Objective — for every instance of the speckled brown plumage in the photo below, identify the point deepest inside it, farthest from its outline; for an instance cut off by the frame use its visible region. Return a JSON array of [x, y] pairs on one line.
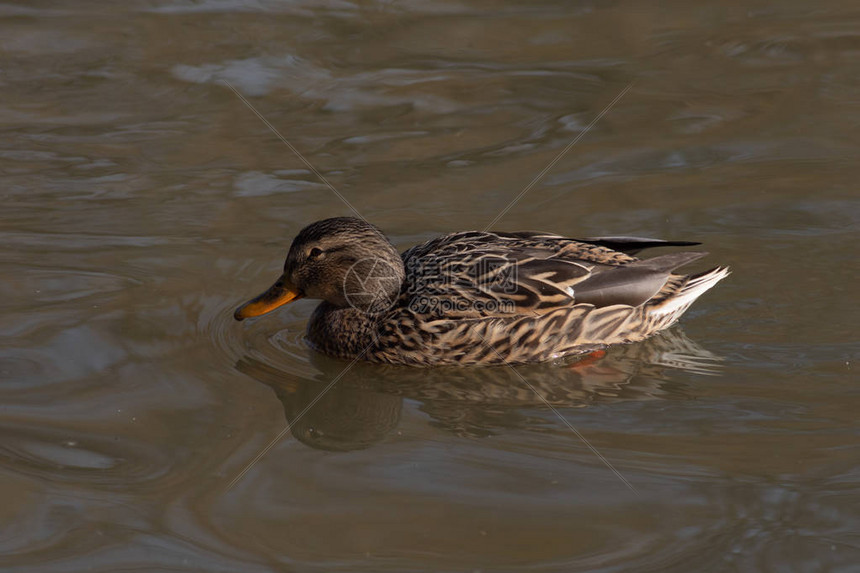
[[480, 297]]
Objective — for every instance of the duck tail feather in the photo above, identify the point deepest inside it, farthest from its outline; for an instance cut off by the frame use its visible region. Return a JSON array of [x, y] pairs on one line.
[[695, 286]]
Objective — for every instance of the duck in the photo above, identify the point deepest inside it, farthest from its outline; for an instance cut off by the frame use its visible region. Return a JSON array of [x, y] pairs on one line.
[[474, 298]]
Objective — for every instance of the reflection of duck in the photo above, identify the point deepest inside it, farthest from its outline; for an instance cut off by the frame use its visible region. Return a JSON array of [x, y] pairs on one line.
[[477, 297], [364, 405]]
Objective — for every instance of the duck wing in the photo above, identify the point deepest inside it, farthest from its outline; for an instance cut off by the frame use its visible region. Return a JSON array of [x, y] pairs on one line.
[[478, 274]]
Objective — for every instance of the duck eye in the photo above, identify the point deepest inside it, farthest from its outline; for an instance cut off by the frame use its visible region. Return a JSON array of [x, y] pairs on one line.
[[314, 253]]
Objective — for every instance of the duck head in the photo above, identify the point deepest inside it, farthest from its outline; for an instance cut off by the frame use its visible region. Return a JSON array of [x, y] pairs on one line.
[[344, 261]]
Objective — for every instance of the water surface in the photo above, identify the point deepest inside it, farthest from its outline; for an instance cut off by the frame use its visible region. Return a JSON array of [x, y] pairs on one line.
[[143, 200]]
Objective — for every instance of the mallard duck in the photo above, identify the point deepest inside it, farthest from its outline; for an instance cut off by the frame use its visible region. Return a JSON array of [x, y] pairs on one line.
[[477, 297]]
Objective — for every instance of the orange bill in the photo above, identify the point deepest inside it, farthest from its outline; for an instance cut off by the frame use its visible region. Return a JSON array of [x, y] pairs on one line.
[[278, 294]]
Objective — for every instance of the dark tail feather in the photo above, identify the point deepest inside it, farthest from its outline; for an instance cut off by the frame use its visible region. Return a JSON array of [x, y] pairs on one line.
[[632, 245]]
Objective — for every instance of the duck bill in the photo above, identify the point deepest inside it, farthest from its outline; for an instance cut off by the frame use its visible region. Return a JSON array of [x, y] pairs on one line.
[[279, 294]]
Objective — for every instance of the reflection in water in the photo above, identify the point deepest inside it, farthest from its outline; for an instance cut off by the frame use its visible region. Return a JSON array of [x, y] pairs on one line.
[[365, 404]]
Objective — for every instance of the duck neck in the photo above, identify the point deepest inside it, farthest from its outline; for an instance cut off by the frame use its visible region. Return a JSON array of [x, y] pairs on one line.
[[342, 332]]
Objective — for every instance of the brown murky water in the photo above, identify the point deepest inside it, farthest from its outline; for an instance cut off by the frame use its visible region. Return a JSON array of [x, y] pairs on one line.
[[142, 200]]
